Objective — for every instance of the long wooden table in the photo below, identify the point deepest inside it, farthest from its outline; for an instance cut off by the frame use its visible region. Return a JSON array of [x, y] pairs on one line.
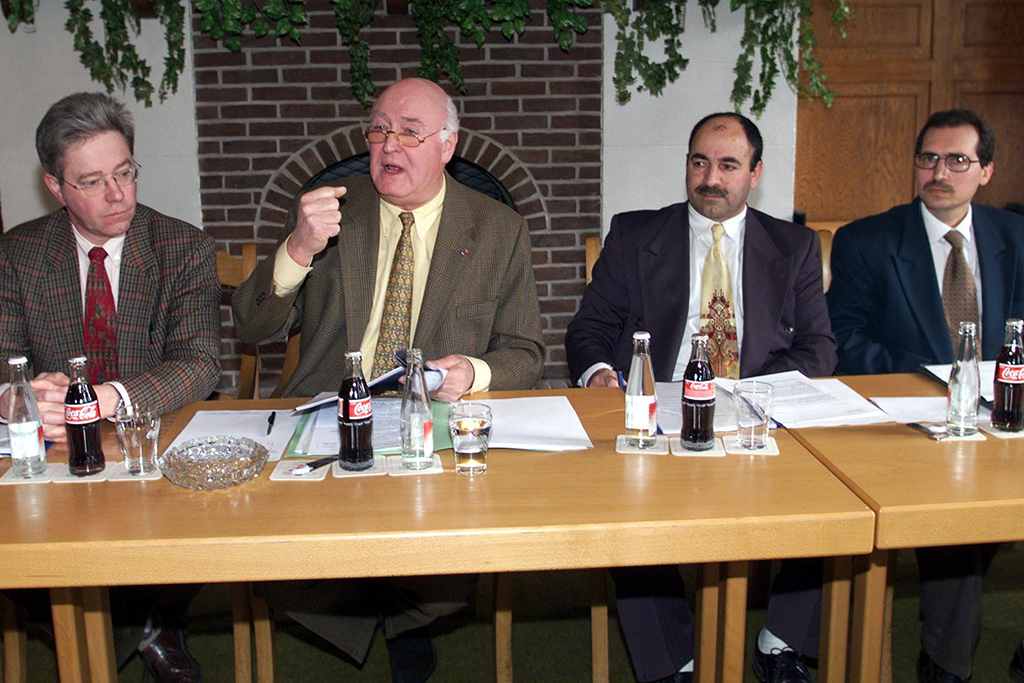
[[923, 492], [531, 511]]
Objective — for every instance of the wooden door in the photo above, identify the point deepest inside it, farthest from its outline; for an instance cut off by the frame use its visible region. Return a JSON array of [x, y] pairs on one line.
[[902, 60]]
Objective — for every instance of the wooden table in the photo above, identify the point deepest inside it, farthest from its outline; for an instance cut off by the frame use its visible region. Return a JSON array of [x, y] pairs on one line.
[[531, 511], [923, 492]]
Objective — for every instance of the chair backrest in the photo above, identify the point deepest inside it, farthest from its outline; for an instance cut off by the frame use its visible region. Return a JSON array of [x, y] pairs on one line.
[[593, 251], [825, 230], [232, 271]]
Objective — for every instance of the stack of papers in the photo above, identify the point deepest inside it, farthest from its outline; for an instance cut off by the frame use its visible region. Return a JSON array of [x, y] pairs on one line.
[[986, 371], [544, 423], [5, 441], [906, 409], [251, 424]]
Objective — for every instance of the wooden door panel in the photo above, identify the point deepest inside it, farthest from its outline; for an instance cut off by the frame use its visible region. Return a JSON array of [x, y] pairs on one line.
[[1001, 107], [879, 30], [993, 29]]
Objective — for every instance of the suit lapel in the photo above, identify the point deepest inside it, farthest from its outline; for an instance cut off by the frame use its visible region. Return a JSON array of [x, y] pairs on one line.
[[357, 253], [998, 270], [456, 239], [664, 277], [63, 288], [137, 290], [766, 274], [916, 272]]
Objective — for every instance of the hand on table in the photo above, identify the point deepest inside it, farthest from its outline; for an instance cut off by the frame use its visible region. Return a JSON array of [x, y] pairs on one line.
[[459, 379], [604, 378]]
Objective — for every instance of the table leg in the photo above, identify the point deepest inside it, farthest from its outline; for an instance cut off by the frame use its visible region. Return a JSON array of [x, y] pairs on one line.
[[599, 625], [15, 642], [706, 645], [868, 615], [99, 636], [241, 629], [503, 628], [69, 634], [890, 577], [732, 623], [835, 620]]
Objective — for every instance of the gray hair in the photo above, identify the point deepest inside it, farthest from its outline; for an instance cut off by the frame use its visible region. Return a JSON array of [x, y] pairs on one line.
[[451, 119], [79, 117]]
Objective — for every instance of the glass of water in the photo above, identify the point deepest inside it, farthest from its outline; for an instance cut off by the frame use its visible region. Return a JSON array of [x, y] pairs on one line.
[[754, 402], [138, 434], [470, 427]]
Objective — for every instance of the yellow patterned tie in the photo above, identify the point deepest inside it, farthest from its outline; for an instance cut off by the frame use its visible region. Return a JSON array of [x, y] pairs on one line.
[[396, 319], [959, 295], [717, 313]]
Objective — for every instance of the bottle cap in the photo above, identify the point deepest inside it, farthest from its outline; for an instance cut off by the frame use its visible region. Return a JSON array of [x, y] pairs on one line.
[[701, 337], [354, 354], [17, 360], [1015, 323], [641, 335], [77, 360], [967, 327]]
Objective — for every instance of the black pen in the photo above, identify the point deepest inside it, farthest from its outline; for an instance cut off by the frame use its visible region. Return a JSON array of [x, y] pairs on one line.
[[270, 421], [307, 467]]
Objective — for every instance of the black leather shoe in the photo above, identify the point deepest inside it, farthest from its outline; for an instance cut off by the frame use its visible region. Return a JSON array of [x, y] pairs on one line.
[[412, 656], [781, 666], [167, 659], [1017, 664], [930, 672], [678, 677]]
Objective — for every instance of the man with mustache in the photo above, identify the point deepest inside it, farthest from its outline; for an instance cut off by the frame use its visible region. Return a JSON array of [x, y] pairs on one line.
[[713, 265], [901, 283]]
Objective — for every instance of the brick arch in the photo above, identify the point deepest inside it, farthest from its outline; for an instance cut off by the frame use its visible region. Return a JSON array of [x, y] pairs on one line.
[[347, 141]]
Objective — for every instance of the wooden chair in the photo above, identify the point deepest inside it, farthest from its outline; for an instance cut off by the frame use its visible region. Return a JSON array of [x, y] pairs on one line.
[[232, 272], [825, 230]]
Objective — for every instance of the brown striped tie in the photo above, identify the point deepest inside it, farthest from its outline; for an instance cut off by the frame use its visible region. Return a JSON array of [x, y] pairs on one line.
[[959, 295], [396, 319]]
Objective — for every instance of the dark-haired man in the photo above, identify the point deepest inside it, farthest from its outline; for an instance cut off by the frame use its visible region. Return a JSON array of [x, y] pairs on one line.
[[714, 265], [901, 283]]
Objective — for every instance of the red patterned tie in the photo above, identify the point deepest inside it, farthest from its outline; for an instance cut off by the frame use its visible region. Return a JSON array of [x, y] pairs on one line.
[[100, 331]]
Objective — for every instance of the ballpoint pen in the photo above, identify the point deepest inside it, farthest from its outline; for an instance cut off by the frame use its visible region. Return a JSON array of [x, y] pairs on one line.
[[270, 421], [307, 467]]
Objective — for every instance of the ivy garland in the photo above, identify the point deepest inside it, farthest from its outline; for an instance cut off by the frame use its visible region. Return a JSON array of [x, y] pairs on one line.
[[768, 38]]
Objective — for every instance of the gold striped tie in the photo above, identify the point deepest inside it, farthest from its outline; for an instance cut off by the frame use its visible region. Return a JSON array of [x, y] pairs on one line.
[[959, 295], [717, 313], [396, 318]]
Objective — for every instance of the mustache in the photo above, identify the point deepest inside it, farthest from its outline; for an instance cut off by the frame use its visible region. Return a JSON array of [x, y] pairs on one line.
[[939, 185], [712, 190]]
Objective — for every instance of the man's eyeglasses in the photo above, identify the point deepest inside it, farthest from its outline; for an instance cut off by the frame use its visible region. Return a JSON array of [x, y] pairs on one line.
[[97, 186], [958, 163], [376, 136]]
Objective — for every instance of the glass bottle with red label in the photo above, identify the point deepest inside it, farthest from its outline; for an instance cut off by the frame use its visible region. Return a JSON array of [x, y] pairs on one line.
[[641, 399], [355, 416], [1008, 407], [82, 421], [698, 398]]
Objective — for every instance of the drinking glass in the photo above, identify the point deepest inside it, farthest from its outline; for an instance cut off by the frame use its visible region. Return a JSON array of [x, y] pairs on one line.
[[754, 402], [138, 434], [470, 427]]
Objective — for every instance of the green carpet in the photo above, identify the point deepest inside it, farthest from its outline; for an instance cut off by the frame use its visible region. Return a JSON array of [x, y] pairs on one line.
[[551, 635]]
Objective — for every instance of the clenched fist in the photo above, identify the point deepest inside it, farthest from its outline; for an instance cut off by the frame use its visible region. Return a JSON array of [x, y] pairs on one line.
[[319, 219]]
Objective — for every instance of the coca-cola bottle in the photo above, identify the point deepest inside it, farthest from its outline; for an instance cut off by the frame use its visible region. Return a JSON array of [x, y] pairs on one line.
[[698, 398], [82, 421], [28, 454], [417, 420], [355, 416], [1008, 409], [641, 401]]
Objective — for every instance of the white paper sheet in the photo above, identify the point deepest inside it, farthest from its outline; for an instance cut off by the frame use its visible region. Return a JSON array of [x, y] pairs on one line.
[[242, 423], [670, 408], [5, 441], [986, 371], [904, 409], [321, 436], [544, 423]]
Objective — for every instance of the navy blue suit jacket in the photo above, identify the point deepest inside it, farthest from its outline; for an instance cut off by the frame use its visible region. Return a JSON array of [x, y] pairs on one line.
[[884, 299], [641, 282]]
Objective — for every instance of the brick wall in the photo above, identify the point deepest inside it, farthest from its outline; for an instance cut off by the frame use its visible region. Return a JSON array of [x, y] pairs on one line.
[[271, 116]]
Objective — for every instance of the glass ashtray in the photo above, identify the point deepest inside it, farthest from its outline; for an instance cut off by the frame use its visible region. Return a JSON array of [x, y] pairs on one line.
[[213, 462]]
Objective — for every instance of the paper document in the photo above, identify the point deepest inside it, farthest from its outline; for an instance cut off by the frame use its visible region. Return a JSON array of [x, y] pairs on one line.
[[986, 371], [544, 423], [242, 423], [321, 437], [5, 441], [904, 409], [670, 408]]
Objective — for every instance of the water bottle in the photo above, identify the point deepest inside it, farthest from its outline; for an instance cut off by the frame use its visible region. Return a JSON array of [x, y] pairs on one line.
[[641, 401], [417, 422], [964, 385], [28, 454]]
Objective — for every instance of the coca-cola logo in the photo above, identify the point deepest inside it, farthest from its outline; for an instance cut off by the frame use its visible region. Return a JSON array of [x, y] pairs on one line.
[[1011, 374], [82, 414], [699, 391], [358, 408]]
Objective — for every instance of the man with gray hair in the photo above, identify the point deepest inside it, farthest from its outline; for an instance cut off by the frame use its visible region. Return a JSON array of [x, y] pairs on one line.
[[133, 290], [405, 258]]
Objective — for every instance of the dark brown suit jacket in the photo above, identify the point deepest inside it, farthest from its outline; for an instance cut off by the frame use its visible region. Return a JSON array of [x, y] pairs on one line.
[[168, 318], [480, 299]]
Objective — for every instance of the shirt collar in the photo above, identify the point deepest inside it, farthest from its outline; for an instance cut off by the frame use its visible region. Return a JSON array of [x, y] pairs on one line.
[[700, 225], [114, 246], [937, 229], [425, 216]]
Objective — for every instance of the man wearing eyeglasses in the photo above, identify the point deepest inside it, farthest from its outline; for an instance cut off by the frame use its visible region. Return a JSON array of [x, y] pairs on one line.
[[406, 257], [901, 283], [133, 290]]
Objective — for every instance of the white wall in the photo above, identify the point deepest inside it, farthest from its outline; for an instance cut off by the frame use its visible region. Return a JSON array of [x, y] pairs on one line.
[[645, 140], [37, 69]]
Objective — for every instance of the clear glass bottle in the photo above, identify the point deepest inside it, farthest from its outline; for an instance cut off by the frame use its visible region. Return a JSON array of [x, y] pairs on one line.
[[641, 400], [417, 422], [28, 453], [964, 385]]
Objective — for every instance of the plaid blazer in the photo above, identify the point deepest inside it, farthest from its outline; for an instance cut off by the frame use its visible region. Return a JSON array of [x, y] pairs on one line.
[[480, 299], [168, 318]]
